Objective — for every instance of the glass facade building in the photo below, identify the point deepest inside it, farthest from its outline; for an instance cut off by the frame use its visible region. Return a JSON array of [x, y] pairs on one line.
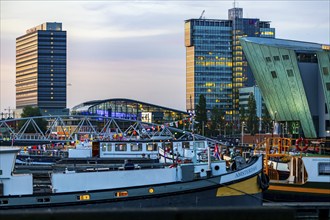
[[244, 94], [215, 63], [129, 109], [41, 69], [294, 79]]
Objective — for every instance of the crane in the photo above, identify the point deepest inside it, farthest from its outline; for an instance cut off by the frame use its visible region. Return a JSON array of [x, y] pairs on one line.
[[201, 17]]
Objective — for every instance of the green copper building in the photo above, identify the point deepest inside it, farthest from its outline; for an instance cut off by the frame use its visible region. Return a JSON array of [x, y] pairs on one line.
[[294, 79]]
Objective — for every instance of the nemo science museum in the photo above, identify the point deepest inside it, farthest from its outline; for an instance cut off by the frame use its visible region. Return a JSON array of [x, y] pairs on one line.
[[294, 79]]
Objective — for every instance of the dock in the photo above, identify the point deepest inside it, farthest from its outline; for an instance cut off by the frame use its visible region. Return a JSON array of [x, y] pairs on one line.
[[270, 211]]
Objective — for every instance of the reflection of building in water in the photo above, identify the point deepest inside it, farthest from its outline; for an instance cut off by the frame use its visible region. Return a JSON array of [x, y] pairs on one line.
[[129, 109]]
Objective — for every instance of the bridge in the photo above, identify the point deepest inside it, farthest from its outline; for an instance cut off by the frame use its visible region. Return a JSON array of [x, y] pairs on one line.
[[64, 129]]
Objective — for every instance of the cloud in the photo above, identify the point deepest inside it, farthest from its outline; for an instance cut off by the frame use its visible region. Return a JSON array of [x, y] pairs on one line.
[[135, 49]]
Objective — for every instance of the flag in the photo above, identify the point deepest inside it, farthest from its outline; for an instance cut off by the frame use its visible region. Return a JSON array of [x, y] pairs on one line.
[[216, 153]]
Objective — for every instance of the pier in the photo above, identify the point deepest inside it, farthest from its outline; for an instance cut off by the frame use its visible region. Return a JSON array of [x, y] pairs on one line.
[[268, 211]]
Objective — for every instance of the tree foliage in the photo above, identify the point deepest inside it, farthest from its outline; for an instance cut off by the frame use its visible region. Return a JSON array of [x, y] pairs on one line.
[[201, 114], [252, 119], [217, 120], [267, 121], [29, 111], [242, 114]]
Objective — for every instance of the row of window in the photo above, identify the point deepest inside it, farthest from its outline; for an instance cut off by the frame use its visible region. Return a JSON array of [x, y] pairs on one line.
[[277, 58], [204, 23], [290, 72], [133, 147]]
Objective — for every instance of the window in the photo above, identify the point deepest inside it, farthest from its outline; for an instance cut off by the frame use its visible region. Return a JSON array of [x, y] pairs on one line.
[[268, 59], [120, 147], [136, 147], [325, 70], [274, 75], [328, 86], [285, 57], [324, 169], [152, 147], [290, 72], [276, 58], [185, 145]]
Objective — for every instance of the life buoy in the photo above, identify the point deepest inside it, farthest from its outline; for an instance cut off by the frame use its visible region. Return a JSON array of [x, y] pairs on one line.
[[298, 141], [263, 181]]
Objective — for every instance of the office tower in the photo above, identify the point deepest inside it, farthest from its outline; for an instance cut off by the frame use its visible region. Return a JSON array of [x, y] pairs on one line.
[[294, 79], [215, 63], [41, 69]]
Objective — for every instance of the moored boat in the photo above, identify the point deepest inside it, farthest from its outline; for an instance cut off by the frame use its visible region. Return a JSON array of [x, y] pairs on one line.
[[183, 185], [297, 173]]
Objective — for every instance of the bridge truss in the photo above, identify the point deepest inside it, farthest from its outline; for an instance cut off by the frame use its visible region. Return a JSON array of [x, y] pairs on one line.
[[77, 127]]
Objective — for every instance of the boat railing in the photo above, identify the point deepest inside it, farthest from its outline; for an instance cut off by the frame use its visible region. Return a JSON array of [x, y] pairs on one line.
[[283, 149]]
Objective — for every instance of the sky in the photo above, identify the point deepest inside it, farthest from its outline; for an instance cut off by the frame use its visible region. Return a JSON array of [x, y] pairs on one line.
[[135, 49]]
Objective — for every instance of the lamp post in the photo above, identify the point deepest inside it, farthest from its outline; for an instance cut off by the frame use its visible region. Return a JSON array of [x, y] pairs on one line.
[[260, 128], [243, 125]]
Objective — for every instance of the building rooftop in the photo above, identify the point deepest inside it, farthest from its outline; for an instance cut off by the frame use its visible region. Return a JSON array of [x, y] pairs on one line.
[[288, 44]]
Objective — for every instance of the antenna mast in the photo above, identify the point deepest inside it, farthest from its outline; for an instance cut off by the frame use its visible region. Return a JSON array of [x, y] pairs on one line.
[[201, 17]]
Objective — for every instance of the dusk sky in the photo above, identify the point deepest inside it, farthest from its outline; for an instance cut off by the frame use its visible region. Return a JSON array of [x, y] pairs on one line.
[[135, 49]]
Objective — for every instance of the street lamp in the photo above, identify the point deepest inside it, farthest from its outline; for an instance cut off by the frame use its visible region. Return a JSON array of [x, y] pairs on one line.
[[260, 128], [243, 125]]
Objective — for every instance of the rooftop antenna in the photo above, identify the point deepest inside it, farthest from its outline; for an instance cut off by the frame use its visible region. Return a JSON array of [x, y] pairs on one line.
[[201, 17]]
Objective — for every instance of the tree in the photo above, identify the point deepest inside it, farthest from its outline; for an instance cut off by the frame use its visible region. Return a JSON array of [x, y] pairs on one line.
[[242, 114], [29, 111], [252, 119], [201, 115], [217, 120], [267, 121]]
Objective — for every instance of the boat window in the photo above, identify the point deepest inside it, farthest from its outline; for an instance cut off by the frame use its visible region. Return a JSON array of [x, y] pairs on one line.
[[169, 145], [103, 147], [84, 197], [152, 147], [120, 147], [200, 144], [185, 145], [121, 194], [106, 146], [324, 169], [109, 147], [136, 147]]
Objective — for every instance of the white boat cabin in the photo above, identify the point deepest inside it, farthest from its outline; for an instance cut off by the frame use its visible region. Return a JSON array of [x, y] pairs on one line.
[[149, 149]]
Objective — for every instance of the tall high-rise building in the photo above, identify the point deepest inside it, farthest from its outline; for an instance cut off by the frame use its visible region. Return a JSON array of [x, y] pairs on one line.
[[215, 63], [41, 69]]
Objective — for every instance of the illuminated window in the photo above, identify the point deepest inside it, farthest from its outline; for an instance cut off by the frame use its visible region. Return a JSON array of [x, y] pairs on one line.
[[120, 147], [136, 147], [152, 147], [121, 194]]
